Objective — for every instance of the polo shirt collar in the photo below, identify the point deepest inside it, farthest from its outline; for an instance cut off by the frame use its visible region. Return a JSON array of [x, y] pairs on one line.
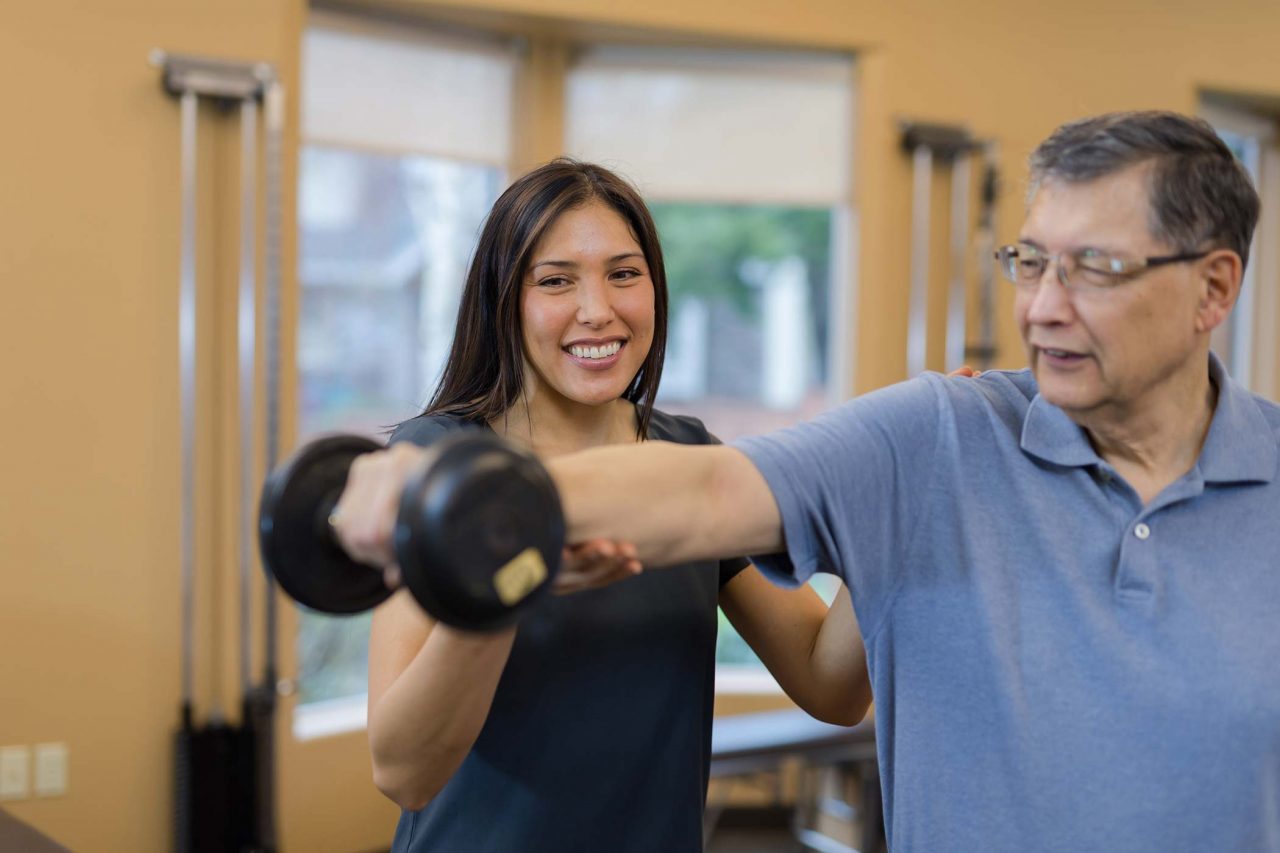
[[1240, 446], [1048, 434]]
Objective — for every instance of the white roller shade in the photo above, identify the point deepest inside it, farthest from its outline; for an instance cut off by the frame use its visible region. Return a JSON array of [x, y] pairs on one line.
[[381, 87], [717, 126]]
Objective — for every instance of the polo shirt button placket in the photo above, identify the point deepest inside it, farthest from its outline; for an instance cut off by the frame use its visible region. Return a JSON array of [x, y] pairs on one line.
[[1137, 569]]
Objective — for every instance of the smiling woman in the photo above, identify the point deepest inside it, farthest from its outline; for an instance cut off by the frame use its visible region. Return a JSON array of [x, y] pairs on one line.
[[588, 726], [568, 257]]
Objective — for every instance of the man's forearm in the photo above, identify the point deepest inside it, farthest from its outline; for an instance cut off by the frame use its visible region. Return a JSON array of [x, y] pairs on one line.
[[674, 502]]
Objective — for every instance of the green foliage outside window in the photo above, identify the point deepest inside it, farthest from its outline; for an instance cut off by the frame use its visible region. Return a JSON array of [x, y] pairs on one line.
[[706, 245]]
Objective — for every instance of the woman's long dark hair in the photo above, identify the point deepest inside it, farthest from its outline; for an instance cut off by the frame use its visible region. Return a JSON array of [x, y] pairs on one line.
[[484, 376]]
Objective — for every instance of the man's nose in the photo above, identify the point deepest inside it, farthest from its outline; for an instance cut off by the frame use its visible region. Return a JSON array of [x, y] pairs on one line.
[[1050, 299]]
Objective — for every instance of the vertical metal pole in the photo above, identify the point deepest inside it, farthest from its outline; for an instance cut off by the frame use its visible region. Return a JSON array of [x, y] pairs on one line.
[[247, 340], [273, 101], [273, 105], [183, 759], [187, 380], [228, 83], [986, 241], [918, 316], [957, 295]]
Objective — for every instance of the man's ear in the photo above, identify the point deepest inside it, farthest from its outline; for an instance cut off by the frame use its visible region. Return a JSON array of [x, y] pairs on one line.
[[1220, 275]]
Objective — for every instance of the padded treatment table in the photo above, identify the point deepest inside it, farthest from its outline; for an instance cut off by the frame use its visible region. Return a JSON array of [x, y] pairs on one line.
[[765, 743]]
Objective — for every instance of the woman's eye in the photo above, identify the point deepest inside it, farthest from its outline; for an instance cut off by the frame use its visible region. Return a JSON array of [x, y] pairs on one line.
[[625, 275], [555, 281]]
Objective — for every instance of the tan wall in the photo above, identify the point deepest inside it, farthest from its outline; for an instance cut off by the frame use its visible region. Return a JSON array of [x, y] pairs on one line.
[[89, 487], [89, 494]]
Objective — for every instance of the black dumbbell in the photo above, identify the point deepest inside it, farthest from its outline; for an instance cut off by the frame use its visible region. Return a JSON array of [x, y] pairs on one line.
[[478, 534]]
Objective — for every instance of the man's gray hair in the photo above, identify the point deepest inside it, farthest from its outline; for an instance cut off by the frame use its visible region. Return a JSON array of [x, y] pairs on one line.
[[1199, 192]]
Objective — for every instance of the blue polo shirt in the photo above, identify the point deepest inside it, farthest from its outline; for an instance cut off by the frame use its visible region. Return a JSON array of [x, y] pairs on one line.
[[1056, 667]]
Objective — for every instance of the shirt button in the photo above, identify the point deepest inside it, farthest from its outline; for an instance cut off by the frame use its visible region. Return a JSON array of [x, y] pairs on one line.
[[1142, 531]]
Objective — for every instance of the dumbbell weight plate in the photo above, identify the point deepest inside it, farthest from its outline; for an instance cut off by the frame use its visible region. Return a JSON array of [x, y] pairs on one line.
[[479, 532], [293, 529]]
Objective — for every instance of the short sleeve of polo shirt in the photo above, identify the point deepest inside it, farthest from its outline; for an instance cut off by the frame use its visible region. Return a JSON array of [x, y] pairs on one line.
[[851, 486]]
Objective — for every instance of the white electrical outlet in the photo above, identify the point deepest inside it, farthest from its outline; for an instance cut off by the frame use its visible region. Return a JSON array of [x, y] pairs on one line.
[[51, 769], [15, 772]]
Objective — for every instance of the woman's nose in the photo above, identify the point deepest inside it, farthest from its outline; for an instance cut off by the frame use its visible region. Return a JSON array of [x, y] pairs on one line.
[[595, 303]]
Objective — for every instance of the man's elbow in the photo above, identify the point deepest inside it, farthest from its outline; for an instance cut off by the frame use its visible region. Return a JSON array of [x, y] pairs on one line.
[[845, 709], [846, 715], [838, 715]]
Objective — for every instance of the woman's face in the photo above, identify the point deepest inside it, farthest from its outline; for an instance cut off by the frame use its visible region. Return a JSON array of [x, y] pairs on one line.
[[587, 306]]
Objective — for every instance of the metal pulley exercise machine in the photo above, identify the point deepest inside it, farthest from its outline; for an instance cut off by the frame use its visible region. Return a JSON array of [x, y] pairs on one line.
[[953, 147], [224, 774]]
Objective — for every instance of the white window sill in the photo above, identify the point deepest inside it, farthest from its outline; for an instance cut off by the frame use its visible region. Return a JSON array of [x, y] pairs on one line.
[[330, 717], [745, 680]]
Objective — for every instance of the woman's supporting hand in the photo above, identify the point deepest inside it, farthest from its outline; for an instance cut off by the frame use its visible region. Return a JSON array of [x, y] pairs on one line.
[[595, 563]]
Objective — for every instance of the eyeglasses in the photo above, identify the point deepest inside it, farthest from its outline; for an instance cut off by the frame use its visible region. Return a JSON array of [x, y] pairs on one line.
[[1089, 269]]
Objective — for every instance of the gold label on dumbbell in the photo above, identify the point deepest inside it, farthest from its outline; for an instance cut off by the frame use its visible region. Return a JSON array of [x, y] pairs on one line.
[[520, 576]]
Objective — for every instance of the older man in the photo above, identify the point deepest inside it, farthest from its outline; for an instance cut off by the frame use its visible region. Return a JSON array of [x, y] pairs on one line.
[[1067, 577]]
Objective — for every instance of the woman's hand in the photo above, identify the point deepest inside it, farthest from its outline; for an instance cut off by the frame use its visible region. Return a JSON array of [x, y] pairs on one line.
[[364, 518], [595, 563]]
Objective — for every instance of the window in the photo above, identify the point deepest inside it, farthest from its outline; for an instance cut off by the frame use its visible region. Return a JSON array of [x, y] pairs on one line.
[[745, 158], [408, 135], [1245, 343], [391, 199], [748, 337], [384, 247]]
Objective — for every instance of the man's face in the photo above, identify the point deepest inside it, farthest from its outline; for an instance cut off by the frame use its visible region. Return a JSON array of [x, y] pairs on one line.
[[1108, 353]]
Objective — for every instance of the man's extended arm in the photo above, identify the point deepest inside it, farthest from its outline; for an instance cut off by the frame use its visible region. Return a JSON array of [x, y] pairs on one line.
[[675, 502]]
